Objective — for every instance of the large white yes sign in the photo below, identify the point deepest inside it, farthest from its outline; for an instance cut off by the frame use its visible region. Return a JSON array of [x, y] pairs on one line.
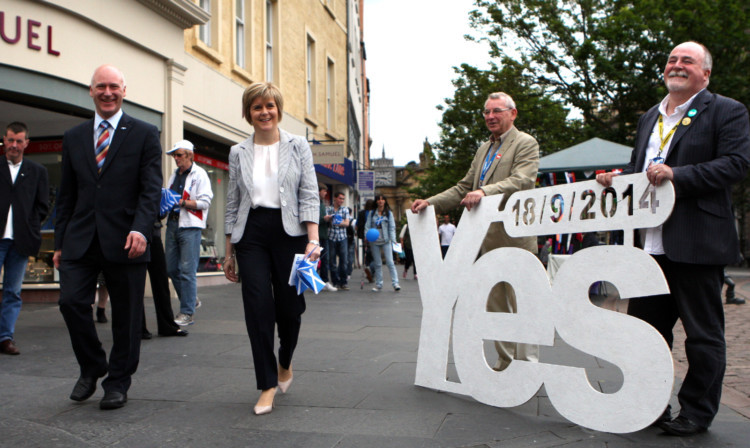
[[461, 283]]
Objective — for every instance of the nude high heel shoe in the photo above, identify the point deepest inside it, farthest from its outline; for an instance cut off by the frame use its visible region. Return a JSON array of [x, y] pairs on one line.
[[284, 385], [261, 410]]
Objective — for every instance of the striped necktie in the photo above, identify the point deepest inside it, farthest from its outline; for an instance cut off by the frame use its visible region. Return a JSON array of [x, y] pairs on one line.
[[102, 144]]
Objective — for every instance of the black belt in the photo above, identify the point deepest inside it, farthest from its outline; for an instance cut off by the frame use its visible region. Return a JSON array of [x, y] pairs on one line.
[[174, 217]]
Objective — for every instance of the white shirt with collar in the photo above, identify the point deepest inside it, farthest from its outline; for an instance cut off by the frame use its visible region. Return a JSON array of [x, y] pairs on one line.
[[652, 238], [113, 121], [14, 169]]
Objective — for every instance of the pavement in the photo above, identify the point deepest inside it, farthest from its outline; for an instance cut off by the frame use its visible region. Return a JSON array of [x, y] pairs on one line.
[[353, 386]]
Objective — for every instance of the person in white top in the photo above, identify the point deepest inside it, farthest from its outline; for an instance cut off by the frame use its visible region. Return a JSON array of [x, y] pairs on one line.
[[446, 231], [184, 226], [272, 214]]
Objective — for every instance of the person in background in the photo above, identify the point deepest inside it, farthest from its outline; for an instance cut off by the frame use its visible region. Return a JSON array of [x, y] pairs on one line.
[[382, 219], [406, 245], [337, 217], [184, 226], [360, 226], [271, 215], [323, 231], [24, 203], [446, 230]]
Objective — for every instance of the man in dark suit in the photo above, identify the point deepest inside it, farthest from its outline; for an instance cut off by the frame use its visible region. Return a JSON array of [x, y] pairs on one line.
[[24, 193], [701, 142], [108, 201]]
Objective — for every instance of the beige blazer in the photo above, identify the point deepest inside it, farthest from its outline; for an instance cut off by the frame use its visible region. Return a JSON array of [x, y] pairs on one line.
[[298, 187], [516, 170]]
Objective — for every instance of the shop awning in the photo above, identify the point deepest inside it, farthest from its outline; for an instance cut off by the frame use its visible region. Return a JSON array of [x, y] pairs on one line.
[[591, 155]]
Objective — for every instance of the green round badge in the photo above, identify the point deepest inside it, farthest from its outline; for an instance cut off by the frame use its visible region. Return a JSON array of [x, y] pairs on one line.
[[692, 112]]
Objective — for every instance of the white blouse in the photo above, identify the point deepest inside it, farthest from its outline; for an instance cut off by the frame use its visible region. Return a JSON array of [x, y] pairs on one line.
[[265, 176]]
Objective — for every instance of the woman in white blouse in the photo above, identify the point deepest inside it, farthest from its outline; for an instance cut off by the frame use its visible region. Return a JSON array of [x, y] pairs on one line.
[[272, 214]]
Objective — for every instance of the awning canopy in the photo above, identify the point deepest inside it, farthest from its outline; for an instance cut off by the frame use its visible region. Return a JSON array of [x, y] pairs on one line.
[[591, 155]]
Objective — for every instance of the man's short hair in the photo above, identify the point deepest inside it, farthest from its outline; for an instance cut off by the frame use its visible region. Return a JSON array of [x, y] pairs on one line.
[[339, 193], [501, 96], [708, 60], [17, 127]]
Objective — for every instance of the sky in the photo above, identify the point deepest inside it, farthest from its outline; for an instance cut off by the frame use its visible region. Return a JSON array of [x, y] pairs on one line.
[[412, 47]]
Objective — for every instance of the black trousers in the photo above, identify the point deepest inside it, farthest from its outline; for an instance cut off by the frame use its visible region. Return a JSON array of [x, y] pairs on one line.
[[157, 274], [695, 298], [126, 283], [264, 259]]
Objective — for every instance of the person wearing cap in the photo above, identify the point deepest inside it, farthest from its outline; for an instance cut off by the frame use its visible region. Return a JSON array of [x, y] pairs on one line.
[[184, 226]]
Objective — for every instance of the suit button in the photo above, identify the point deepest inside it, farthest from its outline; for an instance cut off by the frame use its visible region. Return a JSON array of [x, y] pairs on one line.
[[99, 187], [283, 203], [281, 189]]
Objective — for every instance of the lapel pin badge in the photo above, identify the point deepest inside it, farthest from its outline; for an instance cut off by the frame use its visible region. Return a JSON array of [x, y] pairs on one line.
[[692, 112], [685, 121]]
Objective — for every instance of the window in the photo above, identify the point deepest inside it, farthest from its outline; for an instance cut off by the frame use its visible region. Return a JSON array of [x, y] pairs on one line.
[[204, 31], [330, 93], [239, 31], [310, 75], [270, 30]]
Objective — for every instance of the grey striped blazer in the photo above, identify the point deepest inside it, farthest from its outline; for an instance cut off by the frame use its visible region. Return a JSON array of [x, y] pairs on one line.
[[298, 188]]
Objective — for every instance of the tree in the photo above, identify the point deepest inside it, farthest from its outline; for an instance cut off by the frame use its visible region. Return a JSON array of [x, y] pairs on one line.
[[463, 129], [605, 58]]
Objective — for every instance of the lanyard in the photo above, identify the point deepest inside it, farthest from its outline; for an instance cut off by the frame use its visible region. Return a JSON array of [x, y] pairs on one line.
[[488, 162], [664, 139]]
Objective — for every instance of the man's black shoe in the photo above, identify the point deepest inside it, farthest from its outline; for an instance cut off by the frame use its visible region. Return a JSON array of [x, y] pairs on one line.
[[146, 335], [681, 427], [84, 388], [735, 301], [113, 400], [665, 417]]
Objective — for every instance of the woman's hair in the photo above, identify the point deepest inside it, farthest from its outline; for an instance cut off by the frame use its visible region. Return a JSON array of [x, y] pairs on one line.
[[264, 90], [386, 208]]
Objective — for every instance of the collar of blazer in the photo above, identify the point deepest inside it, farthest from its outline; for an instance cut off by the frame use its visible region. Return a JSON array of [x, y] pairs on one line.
[[5, 171], [247, 158], [485, 148], [699, 104], [123, 128]]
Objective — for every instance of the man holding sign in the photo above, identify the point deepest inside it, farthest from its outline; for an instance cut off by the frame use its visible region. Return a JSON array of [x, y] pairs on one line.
[[507, 163], [701, 142]]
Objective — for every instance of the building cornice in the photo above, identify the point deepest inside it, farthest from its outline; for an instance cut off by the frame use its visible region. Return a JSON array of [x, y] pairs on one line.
[[182, 13]]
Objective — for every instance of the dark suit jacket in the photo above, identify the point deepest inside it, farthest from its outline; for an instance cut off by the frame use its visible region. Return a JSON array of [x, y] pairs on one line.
[[707, 155], [124, 197], [29, 197]]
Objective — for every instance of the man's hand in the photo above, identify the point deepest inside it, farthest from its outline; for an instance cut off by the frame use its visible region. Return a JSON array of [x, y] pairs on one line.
[[56, 258], [418, 205], [135, 245], [658, 172], [606, 178], [472, 198]]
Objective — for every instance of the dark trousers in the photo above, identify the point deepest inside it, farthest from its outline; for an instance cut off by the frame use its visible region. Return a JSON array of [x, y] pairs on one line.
[[324, 260], [409, 260], [264, 259], [157, 274], [695, 298], [125, 283]]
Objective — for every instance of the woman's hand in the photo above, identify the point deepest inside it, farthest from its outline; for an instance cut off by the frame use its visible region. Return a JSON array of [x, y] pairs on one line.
[[314, 250], [229, 271]]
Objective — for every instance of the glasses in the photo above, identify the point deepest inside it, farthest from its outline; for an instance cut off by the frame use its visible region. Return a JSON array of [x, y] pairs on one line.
[[496, 111], [179, 154]]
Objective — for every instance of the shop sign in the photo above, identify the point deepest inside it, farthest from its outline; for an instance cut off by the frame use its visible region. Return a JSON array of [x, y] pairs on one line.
[[211, 162], [327, 154], [12, 30], [44, 146]]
